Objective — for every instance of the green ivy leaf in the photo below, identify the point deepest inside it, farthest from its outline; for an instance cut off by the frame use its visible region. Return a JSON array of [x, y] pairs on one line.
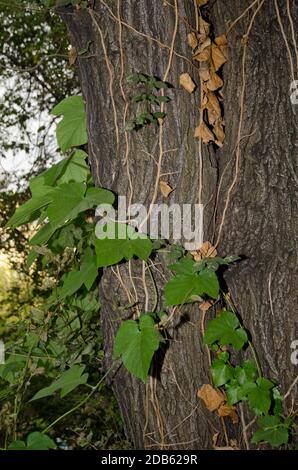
[[136, 341], [185, 288], [111, 251], [246, 373], [39, 441], [67, 382], [214, 263], [234, 392], [221, 372], [271, 430], [259, 395], [184, 266], [226, 329], [35, 441], [17, 445], [71, 130]]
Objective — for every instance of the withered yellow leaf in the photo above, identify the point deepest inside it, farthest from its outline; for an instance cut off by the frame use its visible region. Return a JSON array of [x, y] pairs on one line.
[[204, 71], [187, 82], [204, 133], [214, 82], [192, 40], [226, 410], [212, 397], [204, 306], [165, 188], [204, 27], [219, 133], [207, 250], [213, 107], [72, 56], [218, 58], [204, 55], [221, 40], [201, 3]]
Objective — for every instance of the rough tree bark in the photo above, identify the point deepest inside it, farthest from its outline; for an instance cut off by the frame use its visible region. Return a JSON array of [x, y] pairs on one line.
[[259, 200]]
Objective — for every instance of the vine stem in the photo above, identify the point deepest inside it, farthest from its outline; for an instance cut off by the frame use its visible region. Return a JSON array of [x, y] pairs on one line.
[[81, 403]]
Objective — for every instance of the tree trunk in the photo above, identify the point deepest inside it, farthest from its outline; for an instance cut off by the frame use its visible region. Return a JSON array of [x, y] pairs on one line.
[[249, 191]]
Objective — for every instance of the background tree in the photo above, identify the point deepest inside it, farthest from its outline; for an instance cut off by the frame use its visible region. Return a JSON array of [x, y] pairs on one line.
[[248, 188]]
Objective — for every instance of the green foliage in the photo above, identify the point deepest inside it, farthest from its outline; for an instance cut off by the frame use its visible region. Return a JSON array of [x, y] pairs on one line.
[[272, 430], [35, 441], [226, 329], [148, 99], [111, 251], [136, 343], [194, 280], [71, 130], [68, 381]]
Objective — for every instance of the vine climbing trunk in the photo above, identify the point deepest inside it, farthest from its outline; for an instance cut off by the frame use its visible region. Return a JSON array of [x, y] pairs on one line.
[[248, 188]]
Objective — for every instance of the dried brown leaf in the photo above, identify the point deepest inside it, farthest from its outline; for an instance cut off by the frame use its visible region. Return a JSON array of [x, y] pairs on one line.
[[214, 82], [204, 71], [201, 3], [192, 40], [204, 27], [165, 188], [207, 250], [221, 40], [230, 411], [203, 56], [213, 108], [72, 56], [204, 133], [212, 397], [218, 57], [219, 133], [187, 82], [204, 306]]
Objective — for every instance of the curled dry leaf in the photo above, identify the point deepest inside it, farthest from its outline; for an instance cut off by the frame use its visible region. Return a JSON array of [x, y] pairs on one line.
[[221, 40], [201, 3], [207, 250], [72, 56], [204, 306], [204, 55], [165, 188], [226, 410], [204, 27], [204, 71], [222, 43], [204, 133], [214, 82], [212, 397], [192, 40], [187, 82], [213, 107], [218, 57], [219, 132]]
